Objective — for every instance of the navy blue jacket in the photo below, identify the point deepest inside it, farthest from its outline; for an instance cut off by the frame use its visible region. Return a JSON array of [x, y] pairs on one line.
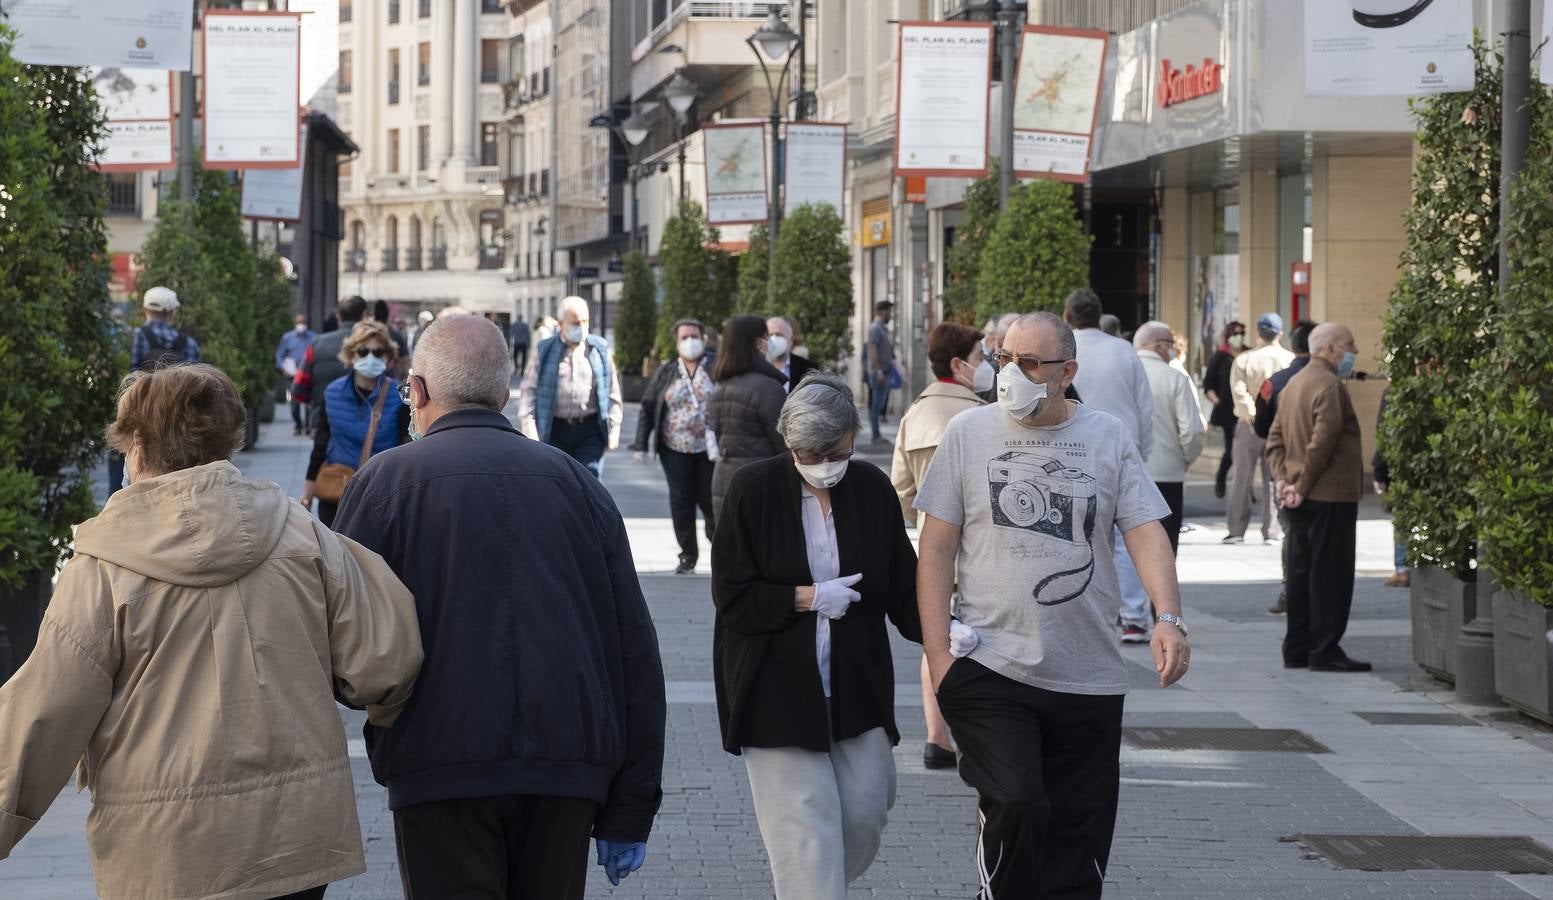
[[542, 673], [1267, 398]]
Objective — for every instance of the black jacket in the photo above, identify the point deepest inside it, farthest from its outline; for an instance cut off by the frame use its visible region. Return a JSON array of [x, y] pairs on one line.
[[769, 692], [653, 406], [798, 367], [542, 673], [1267, 398], [1216, 379]]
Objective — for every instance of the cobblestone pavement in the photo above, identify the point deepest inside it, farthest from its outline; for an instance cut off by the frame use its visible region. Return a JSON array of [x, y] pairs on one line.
[[1192, 824]]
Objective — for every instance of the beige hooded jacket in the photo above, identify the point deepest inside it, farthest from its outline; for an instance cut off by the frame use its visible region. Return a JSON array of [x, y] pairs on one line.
[[189, 661]]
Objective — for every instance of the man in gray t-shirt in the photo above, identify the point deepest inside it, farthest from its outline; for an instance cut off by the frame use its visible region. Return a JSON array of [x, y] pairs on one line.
[[1021, 499], [878, 359]]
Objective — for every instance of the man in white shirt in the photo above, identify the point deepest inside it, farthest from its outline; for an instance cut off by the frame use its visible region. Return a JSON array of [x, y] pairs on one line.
[[571, 394], [1176, 432], [1245, 380]]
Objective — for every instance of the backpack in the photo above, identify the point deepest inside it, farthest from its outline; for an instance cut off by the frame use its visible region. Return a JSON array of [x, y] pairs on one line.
[[162, 355]]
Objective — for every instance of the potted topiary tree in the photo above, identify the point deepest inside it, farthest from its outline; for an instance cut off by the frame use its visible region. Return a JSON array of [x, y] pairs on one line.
[[964, 257], [696, 278], [636, 326], [812, 281], [754, 273], [1036, 254]]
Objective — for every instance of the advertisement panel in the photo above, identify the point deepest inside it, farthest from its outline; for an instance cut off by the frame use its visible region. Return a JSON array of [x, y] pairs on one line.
[[138, 104], [943, 98], [1057, 98], [276, 194], [735, 173], [1218, 296], [815, 164], [252, 68], [153, 34], [1377, 48]]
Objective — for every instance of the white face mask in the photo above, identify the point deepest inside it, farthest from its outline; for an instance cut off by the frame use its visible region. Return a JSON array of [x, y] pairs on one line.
[[822, 476], [984, 377], [776, 347], [301, 328], [575, 333], [370, 366], [1017, 394], [691, 349]]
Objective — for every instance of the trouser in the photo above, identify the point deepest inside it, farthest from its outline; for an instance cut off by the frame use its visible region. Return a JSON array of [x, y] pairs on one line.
[[316, 893], [301, 415], [690, 485], [326, 511], [525, 847], [520, 358], [115, 471], [1174, 493], [582, 440], [1135, 600], [1398, 547], [1047, 771], [1249, 460], [1229, 450], [1320, 579], [878, 396], [821, 814]]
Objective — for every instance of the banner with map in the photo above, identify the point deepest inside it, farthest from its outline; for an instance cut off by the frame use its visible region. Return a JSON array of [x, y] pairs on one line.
[[735, 173], [1057, 100]]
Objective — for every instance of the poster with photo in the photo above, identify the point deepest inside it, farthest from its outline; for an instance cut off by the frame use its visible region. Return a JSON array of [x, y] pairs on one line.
[[252, 68], [138, 104], [815, 165], [1056, 101], [1382, 48], [943, 99], [735, 173], [154, 34]]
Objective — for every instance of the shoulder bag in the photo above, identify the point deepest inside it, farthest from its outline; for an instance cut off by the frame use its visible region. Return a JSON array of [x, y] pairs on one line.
[[332, 478]]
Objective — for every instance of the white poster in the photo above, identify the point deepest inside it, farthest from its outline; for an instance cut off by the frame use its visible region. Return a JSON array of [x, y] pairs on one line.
[[146, 33], [735, 173], [1381, 48], [276, 193], [815, 167], [137, 146], [138, 104], [1218, 295], [252, 60], [943, 98], [1057, 97]]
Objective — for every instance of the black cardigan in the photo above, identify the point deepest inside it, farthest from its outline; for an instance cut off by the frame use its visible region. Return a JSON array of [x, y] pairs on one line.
[[769, 692]]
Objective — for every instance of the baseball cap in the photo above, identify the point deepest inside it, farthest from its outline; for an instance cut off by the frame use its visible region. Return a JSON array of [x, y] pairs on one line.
[[160, 299], [1270, 324]]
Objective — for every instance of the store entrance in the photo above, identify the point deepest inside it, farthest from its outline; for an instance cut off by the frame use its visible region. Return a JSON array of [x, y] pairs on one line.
[[1119, 256]]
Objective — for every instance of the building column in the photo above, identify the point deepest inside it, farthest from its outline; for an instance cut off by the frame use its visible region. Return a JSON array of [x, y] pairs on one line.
[[465, 50], [1258, 244], [1173, 275], [442, 81], [1357, 210]]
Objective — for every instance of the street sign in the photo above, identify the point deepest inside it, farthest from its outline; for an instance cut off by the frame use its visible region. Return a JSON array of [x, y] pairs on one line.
[[617, 266], [586, 271]]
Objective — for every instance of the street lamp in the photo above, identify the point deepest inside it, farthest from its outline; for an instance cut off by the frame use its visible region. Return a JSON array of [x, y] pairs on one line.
[[771, 41], [681, 94], [632, 131]]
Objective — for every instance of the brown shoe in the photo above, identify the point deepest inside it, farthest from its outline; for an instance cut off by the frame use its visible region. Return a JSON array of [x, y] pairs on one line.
[[1398, 580]]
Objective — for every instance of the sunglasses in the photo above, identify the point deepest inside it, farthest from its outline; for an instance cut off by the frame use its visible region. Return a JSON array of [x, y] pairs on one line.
[[363, 352], [1027, 364]]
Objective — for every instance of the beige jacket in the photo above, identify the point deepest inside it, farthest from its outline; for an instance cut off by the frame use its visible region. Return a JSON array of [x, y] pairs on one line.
[[922, 427], [1248, 372], [189, 661]]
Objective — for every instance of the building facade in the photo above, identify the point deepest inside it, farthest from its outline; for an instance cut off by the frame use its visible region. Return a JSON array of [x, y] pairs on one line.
[[538, 281]]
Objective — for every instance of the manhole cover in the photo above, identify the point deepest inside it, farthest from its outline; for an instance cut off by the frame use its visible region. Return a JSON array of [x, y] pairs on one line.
[[1399, 853], [1241, 740], [1410, 718]]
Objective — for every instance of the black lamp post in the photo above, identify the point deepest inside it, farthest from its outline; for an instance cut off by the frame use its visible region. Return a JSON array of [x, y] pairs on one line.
[[772, 41], [632, 131], [681, 93]]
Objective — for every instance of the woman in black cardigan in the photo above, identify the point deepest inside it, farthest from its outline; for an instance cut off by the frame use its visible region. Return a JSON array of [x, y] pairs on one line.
[[809, 558]]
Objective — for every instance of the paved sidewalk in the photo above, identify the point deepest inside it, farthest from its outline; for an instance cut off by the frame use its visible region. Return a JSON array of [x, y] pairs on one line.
[[1193, 824]]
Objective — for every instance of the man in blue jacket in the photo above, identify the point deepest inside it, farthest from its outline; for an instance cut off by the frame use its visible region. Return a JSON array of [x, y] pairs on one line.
[[538, 717], [571, 395]]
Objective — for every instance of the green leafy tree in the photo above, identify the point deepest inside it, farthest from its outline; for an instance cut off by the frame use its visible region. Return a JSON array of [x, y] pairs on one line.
[[1036, 255], [65, 359], [754, 270], [811, 281], [970, 238], [636, 327], [697, 277], [1439, 320]]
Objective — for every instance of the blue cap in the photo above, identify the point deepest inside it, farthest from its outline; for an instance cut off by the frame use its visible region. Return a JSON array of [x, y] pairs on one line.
[[1270, 324]]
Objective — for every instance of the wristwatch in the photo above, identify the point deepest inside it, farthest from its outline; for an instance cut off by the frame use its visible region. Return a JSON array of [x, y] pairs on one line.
[[1172, 620]]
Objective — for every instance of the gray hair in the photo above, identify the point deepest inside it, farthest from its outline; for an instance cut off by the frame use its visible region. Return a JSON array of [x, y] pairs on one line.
[[818, 414], [1155, 332], [465, 362], [1066, 342], [1110, 325]]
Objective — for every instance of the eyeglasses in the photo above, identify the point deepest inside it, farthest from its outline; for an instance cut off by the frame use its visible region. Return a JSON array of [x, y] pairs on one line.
[[1027, 363], [808, 460], [363, 352], [404, 389]]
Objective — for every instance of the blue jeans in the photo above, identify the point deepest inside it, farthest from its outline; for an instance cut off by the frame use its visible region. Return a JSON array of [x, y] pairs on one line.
[[1399, 549], [1135, 600], [878, 396], [582, 441]]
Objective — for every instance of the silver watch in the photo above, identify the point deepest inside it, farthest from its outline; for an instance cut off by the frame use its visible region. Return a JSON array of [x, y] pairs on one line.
[[1173, 620]]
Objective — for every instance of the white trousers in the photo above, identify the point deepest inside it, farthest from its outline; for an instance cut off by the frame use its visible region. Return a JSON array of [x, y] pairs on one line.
[[821, 814]]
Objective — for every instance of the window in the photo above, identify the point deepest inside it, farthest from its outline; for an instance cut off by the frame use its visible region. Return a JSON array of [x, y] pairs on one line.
[[393, 12], [123, 194], [345, 67], [424, 9], [423, 63], [491, 251], [490, 62], [345, 10], [515, 53], [391, 244], [546, 90], [490, 144], [488, 6], [422, 147], [393, 77], [393, 149]]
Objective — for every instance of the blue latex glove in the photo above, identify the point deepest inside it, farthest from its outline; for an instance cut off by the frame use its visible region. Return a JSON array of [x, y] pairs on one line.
[[621, 858]]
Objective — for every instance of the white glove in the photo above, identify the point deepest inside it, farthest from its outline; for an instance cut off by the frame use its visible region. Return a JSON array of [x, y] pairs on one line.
[[832, 598], [962, 639]]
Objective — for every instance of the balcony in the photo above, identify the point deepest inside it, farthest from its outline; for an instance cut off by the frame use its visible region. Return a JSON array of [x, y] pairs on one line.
[[714, 30], [423, 10], [390, 259], [412, 259], [356, 261], [439, 259], [482, 175], [491, 256], [345, 13]]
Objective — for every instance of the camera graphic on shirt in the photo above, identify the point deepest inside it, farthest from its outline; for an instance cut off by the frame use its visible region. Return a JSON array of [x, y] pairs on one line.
[[1042, 495]]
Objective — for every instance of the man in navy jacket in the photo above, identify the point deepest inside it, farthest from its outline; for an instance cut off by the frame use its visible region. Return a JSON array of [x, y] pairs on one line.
[[538, 717]]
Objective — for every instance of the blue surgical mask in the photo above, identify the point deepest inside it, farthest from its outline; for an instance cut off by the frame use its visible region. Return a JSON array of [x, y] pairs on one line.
[[370, 366], [1345, 368], [575, 334]]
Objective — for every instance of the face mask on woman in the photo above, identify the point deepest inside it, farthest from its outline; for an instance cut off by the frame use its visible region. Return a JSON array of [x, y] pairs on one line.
[[776, 347], [370, 366], [1017, 394], [1237, 341], [984, 376], [822, 475], [690, 349]]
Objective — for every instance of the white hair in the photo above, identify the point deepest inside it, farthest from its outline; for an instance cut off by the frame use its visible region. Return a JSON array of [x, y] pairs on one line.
[[1155, 332], [575, 305], [1325, 335], [818, 414], [465, 362]]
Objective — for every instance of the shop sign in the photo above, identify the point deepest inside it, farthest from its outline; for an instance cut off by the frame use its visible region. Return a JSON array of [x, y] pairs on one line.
[[1179, 86], [876, 230]]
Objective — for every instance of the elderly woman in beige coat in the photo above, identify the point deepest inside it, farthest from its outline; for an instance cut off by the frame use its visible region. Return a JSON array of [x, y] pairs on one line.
[[954, 352], [190, 661]]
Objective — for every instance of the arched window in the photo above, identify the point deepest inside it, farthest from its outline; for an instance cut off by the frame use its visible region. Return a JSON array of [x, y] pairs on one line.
[[415, 232], [439, 237], [391, 238], [358, 235]]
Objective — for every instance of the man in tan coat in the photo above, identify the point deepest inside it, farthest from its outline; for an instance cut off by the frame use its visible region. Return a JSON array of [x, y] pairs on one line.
[[1246, 375], [1314, 452]]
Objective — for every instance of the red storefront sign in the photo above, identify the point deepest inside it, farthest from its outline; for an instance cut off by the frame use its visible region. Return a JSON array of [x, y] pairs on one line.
[[1178, 86]]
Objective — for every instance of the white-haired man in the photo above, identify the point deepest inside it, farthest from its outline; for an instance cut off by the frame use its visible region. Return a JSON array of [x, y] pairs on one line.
[[1177, 433], [570, 395], [538, 718]]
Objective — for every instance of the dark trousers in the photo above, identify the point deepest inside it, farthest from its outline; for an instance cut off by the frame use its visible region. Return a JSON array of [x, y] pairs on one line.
[[301, 415], [1319, 575], [1228, 458], [316, 893], [690, 485], [878, 397], [494, 848], [1047, 771], [326, 511], [582, 440], [520, 358], [1174, 493]]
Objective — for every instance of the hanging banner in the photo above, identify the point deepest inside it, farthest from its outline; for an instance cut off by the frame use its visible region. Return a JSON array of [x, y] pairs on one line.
[[276, 194], [735, 173], [252, 68], [138, 104], [815, 166], [1382, 48], [157, 34], [943, 98], [1056, 101]]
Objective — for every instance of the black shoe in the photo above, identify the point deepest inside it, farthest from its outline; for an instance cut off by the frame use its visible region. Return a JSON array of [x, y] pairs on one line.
[[1281, 607], [1296, 663], [685, 567], [1341, 664], [1218, 489], [936, 757]]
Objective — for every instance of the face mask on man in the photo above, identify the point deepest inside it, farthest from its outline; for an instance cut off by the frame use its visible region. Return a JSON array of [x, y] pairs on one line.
[[1017, 394], [301, 328], [370, 366], [575, 333], [1346, 364], [984, 376], [776, 347], [822, 475], [690, 349]]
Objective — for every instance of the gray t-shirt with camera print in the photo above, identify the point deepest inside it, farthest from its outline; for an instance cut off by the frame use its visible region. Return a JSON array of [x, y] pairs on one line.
[[1035, 507]]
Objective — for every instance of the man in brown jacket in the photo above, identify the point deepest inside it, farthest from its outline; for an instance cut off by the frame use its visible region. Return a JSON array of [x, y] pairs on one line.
[[1315, 456]]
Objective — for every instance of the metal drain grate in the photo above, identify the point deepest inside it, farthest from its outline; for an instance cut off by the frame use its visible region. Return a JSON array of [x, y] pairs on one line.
[[1240, 740], [1410, 718], [1400, 853]]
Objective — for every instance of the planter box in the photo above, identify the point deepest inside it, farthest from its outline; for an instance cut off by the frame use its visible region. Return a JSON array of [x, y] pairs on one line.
[[632, 387], [21, 612], [1523, 654], [1442, 603]]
